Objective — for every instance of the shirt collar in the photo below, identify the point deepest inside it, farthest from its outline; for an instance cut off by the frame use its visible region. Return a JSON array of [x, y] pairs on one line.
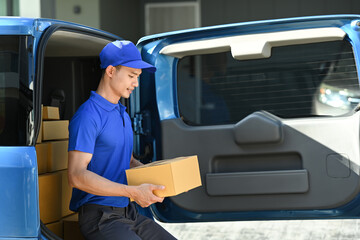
[[105, 104]]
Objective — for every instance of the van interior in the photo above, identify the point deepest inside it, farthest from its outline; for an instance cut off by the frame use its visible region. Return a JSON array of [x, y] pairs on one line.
[[70, 71]]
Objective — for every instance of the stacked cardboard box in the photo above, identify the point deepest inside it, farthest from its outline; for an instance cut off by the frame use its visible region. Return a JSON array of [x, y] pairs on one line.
[[52, 157], [71, 228]]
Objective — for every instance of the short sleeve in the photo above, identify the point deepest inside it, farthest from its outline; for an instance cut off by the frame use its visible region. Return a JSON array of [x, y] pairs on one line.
[[82, 132]]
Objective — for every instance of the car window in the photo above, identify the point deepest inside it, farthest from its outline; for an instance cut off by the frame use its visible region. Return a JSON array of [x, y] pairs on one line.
[[317, 79], [15, 96]]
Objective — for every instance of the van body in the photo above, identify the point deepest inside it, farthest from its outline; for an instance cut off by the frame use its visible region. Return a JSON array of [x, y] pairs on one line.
[[269, 107]]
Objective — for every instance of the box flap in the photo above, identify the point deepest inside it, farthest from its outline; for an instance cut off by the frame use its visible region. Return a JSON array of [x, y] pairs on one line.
[[160, 162]]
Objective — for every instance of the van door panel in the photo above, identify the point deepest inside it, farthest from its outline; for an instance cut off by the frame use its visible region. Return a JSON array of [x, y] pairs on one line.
[[314, 167], [19, 192], [276, 134]]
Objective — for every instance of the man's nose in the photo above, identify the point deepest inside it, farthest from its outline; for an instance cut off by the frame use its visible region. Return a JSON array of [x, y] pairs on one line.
[[136, 82]]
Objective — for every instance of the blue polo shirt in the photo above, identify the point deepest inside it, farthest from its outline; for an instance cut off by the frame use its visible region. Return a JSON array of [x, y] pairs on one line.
[[103, 129]]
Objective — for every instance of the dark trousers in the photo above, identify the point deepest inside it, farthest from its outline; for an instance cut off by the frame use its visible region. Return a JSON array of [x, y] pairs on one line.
[[103, 222]]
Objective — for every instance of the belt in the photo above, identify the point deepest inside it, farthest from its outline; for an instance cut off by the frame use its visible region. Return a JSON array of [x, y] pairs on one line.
[[97, 207]]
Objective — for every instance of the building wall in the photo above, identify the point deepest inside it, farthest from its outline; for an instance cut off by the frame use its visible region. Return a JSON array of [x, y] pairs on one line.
[[216, 12], [126, 18], [86, 12], [48, 9], [121, 17], [3, 8], [144, 2], [30, 8]]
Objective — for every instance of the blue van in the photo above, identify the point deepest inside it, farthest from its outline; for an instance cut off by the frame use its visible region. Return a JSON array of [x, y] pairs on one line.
[[269, 107]]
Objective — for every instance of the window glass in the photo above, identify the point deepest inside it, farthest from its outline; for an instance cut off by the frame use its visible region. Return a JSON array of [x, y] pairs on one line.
[[15, 95], [318, 79]]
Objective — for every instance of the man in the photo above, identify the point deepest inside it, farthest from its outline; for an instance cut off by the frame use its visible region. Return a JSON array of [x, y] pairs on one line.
[[100, 150]]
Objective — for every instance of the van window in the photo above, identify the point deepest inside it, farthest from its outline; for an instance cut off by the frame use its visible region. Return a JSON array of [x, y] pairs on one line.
[[317, 79], [15, 95]]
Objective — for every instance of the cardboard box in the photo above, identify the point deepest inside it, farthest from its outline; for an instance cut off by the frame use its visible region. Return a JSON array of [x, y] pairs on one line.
[[178, 175], [58, 155], [50, 113], [39, 139], [50, 197], [56, 227], [55, 130], [72, 229], [65, 194], [42, 154]]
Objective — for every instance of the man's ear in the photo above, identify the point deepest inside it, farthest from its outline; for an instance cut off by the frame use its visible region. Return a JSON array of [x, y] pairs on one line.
[[109, 71]]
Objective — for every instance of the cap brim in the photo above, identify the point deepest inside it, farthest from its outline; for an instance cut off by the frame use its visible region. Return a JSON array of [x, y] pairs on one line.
[[140, 65]]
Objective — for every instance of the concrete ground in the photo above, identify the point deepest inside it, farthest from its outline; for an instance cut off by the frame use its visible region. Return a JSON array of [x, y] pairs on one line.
[[267, 230]]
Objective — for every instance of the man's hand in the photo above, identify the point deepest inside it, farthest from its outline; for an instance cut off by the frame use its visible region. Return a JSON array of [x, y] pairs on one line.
[[87, 181], [143, 194]]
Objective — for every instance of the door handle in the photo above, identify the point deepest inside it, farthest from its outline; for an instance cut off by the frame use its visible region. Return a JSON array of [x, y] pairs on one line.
[[259, 127]]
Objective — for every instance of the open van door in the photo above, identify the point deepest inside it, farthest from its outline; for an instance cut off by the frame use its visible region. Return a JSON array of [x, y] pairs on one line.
[[18, 183], [269, 107], [50, 63], [67, 70]]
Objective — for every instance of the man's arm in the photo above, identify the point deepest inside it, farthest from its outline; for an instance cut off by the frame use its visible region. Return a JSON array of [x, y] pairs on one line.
[[134, 162], [87, 181]]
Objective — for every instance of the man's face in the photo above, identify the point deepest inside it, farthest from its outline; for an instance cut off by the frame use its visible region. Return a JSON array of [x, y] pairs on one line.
[[124, 80]]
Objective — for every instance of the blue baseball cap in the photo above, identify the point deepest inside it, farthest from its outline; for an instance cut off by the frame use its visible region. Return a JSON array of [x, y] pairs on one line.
[[123, 53]]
